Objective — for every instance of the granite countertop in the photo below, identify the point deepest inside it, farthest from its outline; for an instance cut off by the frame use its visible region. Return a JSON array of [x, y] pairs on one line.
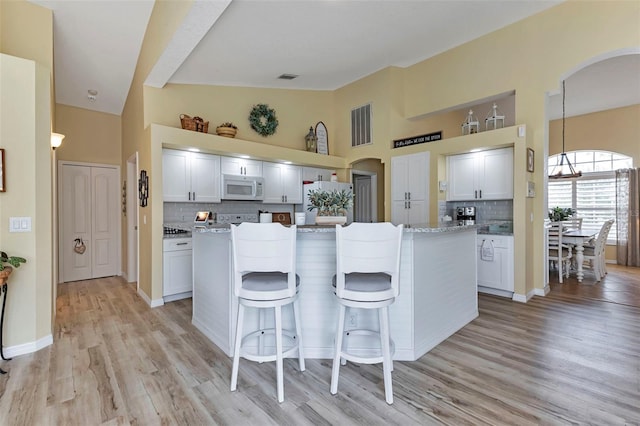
[[452, 227]]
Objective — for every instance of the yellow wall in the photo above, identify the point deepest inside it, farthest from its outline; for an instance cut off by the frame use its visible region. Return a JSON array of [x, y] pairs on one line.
[[164, 20], [26, 33], [616, 130], [90, 136], [25, 135]]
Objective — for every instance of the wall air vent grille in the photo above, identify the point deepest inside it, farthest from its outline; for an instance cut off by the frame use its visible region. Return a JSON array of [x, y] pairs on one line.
[[361, 126]]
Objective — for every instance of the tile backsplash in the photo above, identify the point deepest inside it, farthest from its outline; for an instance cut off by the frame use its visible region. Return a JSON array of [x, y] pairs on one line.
[[485, 210], [186, 212]]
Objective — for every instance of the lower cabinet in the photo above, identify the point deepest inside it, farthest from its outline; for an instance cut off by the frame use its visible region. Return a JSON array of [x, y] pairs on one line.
[[495, 264], [177, 269]]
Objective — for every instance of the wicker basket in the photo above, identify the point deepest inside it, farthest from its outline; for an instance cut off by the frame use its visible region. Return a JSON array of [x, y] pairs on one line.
[[196, 124]]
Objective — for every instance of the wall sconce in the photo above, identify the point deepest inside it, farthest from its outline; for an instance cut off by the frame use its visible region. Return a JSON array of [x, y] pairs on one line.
[[56, 140]]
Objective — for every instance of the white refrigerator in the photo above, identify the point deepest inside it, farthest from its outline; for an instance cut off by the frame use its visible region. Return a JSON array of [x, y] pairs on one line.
[[310, 216]]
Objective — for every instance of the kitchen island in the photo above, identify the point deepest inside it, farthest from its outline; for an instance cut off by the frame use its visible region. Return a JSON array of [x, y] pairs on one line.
[[438, 292]]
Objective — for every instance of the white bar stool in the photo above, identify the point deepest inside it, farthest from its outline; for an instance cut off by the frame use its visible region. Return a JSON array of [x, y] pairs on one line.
[[367, 277], [264, 276]]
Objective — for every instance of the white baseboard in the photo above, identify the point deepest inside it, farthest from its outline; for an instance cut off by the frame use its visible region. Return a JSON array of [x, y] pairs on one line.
[[152, 303], [27, 348], [523, 298], [542, 291]]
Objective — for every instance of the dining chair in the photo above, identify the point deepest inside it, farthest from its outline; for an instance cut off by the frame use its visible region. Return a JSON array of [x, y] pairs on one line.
[[264, 277], [594, 254], [367, 277], [572, 223], [558, 252]]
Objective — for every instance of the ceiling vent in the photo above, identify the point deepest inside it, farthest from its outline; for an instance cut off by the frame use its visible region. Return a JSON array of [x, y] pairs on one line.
[[361, 125], [287, 76]]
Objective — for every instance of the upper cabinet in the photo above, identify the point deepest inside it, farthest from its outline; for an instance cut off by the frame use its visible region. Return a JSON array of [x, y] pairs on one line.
[[410, 189], [241, 166], [282, 183], [485, 175], [314, 174], [190, 176]]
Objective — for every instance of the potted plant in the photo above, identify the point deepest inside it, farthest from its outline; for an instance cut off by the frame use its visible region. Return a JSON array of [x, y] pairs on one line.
[[558, 214], [227, 129], [7, 263], [332, 205]]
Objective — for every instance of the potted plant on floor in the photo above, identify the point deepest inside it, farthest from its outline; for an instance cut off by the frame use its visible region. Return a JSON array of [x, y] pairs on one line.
[[332, 206], [7, 263]]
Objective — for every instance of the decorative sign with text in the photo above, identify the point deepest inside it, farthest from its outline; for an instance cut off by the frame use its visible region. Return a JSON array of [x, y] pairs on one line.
[[414, 140]]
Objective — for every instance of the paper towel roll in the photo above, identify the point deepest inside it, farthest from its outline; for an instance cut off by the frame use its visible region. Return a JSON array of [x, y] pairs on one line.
[[265, 217]]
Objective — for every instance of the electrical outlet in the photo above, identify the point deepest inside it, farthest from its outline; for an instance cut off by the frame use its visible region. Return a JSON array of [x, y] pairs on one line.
[[353, 320]]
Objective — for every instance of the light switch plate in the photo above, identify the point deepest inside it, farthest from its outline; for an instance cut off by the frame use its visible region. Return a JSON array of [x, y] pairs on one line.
[[20, 224]]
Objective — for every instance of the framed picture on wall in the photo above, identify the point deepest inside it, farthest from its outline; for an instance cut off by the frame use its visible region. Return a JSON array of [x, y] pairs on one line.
[[3, 188], [530, 159]]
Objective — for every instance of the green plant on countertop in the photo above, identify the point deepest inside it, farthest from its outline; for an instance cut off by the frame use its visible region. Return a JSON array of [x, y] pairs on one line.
[[14, 261], [558, 214], [330, 203]]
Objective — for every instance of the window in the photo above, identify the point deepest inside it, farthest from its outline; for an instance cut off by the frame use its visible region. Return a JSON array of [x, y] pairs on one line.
[[593, 195]]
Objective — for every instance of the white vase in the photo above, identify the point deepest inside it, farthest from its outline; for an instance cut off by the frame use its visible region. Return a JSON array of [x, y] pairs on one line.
[[331, 220]]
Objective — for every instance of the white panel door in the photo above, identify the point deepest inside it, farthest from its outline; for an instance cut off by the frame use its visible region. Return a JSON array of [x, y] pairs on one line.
[[362, 199], [89, 211], [497, 176], [75, 217], [105, 201]]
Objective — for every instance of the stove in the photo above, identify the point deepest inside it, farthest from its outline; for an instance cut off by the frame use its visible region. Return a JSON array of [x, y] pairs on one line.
[[236, 218], [170, 230]]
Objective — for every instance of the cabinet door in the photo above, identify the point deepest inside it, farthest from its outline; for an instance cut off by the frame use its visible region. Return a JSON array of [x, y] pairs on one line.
[[314, 174], [418, 212], [399, 178], [292, 184], [176, 175], [177, 272], [272, 174], [418, 176], [240, 166], [461, 171], [490, 272], [399, 212], [205, 178], [496, 176]]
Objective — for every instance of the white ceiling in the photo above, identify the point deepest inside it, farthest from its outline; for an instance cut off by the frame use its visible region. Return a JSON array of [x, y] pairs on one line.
[[250, 43]]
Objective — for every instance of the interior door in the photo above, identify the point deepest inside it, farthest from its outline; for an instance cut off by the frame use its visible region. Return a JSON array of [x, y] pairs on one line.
[[75, 217], [89, 213], [362, 198], [104, 223]]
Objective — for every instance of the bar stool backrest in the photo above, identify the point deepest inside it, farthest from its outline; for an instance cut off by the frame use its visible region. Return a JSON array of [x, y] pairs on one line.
[[368, 248], [263, 247]]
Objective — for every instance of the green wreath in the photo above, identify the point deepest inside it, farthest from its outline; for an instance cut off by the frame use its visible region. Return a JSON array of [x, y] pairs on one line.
[[263, 119]]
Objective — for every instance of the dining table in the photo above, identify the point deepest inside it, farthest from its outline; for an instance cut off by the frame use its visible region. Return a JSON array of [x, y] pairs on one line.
[[578, 237]]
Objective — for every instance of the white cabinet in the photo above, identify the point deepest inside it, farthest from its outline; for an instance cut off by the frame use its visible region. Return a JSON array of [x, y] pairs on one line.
[[190, 176], [495, 264], [282, 183], [314, 174], [484, 175], [240, 166], [177, 269], [410, 189]]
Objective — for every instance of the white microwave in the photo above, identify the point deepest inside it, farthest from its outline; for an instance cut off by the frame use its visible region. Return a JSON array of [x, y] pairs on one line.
[[236, 187]]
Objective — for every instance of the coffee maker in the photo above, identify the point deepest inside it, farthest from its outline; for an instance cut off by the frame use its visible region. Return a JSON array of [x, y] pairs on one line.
[[466, 215]]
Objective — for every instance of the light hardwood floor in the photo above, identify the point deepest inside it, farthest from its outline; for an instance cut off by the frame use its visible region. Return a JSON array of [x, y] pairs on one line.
[[562, 359]]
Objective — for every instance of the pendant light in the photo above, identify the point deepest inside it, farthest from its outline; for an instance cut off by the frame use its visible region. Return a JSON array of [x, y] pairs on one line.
[[562, 170]]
